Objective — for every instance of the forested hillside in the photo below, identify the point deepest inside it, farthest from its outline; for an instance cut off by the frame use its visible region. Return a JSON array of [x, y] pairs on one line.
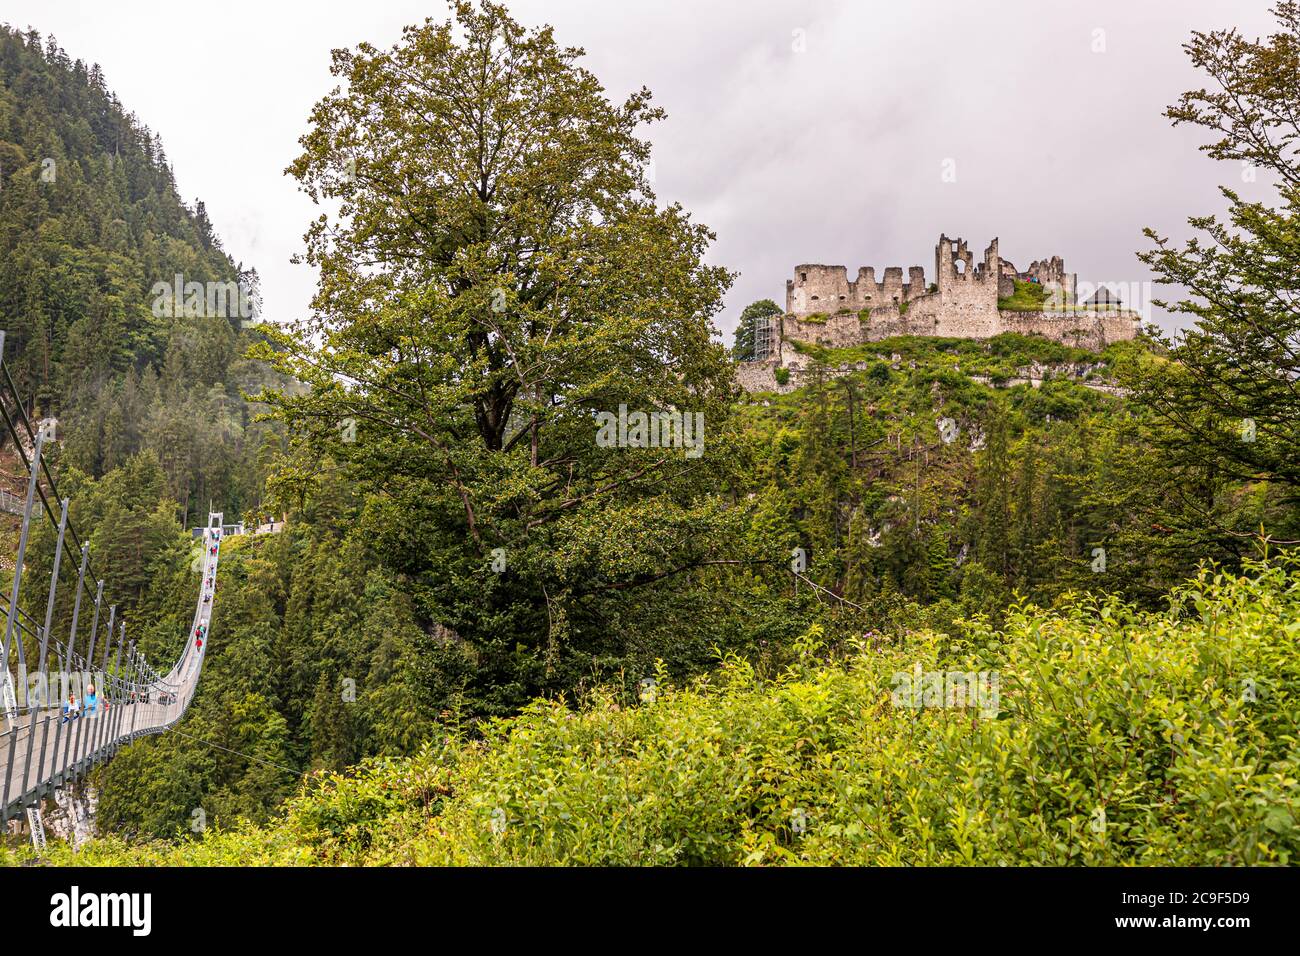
[[942, 473], [90, 222]]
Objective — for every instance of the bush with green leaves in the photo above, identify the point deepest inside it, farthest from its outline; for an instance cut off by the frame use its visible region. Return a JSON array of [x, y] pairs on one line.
[[1122, 737]]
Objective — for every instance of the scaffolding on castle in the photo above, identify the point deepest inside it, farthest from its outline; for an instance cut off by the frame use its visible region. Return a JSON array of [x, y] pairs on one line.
[[764, 338]]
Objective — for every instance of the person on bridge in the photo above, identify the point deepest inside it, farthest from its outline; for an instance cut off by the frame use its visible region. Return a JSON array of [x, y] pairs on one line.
[[92, 701], [71, 709]]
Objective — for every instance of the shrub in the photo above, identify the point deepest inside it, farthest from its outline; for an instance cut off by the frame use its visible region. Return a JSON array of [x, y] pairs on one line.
[[1028, 297], [1122, 737]]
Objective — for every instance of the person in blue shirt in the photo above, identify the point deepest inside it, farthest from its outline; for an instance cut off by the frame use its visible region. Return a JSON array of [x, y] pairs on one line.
[[92, 702]]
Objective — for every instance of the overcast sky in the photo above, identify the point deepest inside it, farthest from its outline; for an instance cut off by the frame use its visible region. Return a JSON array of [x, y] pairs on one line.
[[798, 130]]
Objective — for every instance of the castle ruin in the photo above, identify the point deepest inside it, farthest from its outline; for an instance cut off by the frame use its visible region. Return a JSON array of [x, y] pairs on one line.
[[822, 307]]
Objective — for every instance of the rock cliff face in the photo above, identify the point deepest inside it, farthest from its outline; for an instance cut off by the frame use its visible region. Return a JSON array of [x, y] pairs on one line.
[[73, 816], [762, 376]]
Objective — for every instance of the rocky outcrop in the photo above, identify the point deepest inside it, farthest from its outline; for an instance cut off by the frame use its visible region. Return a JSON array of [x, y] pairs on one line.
[[72, 818]]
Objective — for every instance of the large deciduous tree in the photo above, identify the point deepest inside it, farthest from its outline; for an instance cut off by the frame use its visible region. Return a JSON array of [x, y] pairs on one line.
[[494, 274], [1228, 397]]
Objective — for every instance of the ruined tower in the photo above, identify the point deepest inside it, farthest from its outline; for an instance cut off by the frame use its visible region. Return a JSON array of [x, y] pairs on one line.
[[967, 304]]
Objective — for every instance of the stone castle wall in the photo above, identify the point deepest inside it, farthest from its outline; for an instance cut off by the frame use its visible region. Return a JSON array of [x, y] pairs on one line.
[[757, 376], [818, 289], [1084, 329], [825, 308], [966, 319]]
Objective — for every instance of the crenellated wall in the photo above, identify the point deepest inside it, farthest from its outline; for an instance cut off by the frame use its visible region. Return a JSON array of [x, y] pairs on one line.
[[825, 308], [826, 289]]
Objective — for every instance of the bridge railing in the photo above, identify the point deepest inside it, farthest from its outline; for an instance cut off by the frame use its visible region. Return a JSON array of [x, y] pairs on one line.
[[46, 743]]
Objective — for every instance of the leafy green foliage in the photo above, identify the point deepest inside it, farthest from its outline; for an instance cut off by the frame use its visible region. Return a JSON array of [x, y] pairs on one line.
[[1122, 737], [476, 313], [743, 349], [1225, 399], [463, 559], [313, 664], [1027, 297]]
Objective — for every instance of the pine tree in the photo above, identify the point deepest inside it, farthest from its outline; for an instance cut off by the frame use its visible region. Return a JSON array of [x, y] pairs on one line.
[[993, 496]]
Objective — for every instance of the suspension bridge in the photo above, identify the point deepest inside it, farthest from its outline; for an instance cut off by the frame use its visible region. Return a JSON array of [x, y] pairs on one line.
[[90, 691]]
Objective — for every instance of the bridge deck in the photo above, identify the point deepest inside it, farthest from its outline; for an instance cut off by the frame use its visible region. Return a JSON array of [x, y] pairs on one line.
[[41, 750]]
